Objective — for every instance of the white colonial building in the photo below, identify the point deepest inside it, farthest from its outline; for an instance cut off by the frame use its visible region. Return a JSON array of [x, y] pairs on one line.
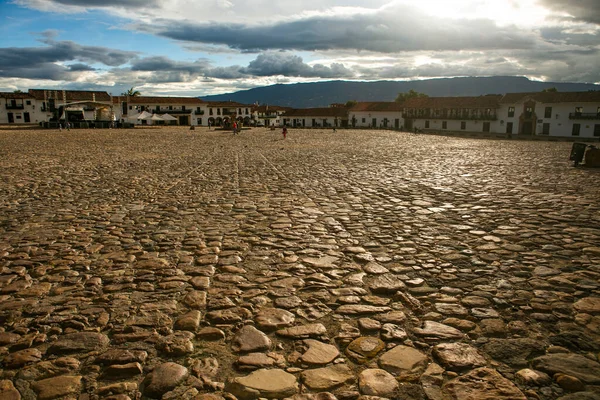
[[223, 113], [376, 115], [568, 114], [268, 115], [183, 110], [19, 108], [326, 117]]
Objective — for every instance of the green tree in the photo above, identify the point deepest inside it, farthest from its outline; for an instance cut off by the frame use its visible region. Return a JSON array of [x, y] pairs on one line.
[[552, 89], [17, 91], [351, 103], [402, 97], [131, 92]]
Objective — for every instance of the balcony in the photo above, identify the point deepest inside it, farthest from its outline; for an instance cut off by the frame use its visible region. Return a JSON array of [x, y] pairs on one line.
[[15, 106], [584, 115]]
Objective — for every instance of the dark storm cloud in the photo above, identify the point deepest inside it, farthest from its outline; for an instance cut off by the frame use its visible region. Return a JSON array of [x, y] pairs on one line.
[[292, 65], [388, 31], [39, 62], [582, 10], [80, 67], [269, 64]]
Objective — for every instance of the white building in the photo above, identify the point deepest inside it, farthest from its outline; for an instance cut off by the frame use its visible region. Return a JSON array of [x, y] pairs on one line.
[[223, 113], [268, 115], [376, 115], [326, 117], [567, 114], [187, 110], [19, 108], [458, 114]]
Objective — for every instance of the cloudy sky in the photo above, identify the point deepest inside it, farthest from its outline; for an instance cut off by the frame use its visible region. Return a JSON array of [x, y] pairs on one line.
[[203, 47]]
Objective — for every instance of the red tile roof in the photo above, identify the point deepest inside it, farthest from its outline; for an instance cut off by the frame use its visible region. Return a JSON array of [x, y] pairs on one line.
[[317, 112], [377, 106], [489, 101], [71, 95], [12, 95], [147, 100], [553, 97]]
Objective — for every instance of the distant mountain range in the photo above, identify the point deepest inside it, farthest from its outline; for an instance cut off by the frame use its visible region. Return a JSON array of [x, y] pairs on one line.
[[322, 94]]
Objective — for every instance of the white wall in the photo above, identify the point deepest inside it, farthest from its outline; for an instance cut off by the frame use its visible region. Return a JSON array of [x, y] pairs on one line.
[[378, 115]]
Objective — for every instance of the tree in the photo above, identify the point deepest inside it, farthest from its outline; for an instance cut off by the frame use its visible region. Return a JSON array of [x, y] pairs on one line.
[[131, 92], [17, 91], [552, 89], [351, 103], [402, 97]]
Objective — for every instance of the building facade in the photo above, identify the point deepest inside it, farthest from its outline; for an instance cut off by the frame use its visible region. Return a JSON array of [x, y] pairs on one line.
[[568, 114], [19, 108], [326, 117], [186, 110], [383, 115]]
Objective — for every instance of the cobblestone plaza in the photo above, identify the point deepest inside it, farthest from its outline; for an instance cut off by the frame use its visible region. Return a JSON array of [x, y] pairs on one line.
[[168, 263]]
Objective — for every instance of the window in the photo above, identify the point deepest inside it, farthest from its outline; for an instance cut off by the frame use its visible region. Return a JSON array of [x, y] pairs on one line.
[[218, 111], [210, 111], [578, 110], [548, 112], [463, 125], [528, 112], [197, 110], [239, 110], [157, 108], [364, 120], [246, 111], [511, 112], [28, 102], [576, 129], [546, 129], [374, 123], [426, 124], [183, 108], [199, 121], [314, 122], [486, 126], [597, 130], [170, 107], [444, 124], [598, 111]]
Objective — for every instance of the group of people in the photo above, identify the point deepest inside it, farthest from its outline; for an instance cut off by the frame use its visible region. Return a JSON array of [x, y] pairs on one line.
[[67, 126]]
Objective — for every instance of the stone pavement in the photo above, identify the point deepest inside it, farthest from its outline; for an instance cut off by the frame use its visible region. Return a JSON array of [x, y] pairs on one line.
[[176, 264]]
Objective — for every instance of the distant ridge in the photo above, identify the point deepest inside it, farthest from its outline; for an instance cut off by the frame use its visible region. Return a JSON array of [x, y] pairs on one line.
[[322, 94]]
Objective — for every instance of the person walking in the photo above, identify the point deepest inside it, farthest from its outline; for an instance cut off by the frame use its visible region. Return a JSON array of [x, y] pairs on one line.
[[284, 131]]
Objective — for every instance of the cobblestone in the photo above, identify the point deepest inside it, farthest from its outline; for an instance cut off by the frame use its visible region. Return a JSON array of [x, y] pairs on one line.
[[166, 263]]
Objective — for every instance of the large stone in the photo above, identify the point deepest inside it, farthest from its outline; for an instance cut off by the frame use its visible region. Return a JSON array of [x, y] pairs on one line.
[[364, 348], [249, 339], [458, 356], [328, 378], [57, 387], [303, 331], [8, 391], [79, 342], [273, 318], [177, 344], [482, 384], [188, 321], [515, 352], [434, 331], [377, 382], [576, 365], [263, 383], [195, 300], [588, 305], [407, 363], [164, 378], [319, 353], [21, 358], [358, 309]]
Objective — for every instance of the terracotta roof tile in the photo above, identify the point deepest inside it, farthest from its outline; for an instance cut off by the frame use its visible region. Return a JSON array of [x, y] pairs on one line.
[[317, 112], [377, 106], [71, 95], [146, 100], [553, 97], [11, 95], [489, 101]]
